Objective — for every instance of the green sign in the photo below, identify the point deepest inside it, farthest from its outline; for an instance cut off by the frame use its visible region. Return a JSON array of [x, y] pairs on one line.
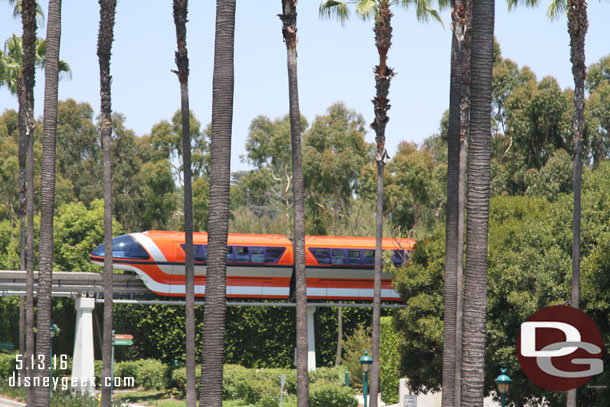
[[123, 342]]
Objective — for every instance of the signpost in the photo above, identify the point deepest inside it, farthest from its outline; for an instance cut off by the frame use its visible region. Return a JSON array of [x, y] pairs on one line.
[[282, 383], [118, 340], [410, 400]]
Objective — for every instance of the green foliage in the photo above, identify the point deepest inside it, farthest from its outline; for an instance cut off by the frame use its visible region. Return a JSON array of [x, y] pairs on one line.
[[78, 231], [389, 355], [7, 364], [334, 152], [530, 243], [326, 394], [127, 369], [151, 374], [415, 189], [555, 178]]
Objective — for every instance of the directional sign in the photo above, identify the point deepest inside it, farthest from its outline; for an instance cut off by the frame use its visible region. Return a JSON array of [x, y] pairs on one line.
[[410, 400], [123, 336], [123, 342]]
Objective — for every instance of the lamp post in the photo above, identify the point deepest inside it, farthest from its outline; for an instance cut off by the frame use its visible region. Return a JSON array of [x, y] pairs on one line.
[[503, 382], [53, 328], [365, 362]]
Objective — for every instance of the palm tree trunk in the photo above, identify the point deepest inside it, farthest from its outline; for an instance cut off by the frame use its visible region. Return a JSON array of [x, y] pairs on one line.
[[289, 31], [383, 76], [479, 169], [577, 27], [339, 335], [23, 146], [451, 230], [182, 62], [465, 49], [47, 199], [104, 48], [218, 214], [28, 19]]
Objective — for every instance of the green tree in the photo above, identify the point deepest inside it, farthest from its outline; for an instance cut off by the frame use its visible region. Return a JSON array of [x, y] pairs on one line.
[[269, 188], [218, 215], [79, 150], [414, 190], [166, 142], [598, 109], [553, 179], [333, 157], [78, 230]]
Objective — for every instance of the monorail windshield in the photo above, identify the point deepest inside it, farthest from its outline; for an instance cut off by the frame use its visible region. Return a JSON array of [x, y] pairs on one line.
[[124, 247]]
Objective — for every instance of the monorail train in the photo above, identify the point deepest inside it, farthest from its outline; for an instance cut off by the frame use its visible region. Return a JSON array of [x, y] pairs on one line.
[[259, 266]]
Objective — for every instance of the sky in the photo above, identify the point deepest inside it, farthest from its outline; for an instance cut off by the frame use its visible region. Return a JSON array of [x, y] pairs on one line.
[[335, 63]]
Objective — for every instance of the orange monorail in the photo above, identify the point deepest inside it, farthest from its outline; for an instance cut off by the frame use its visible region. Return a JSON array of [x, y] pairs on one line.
[[259, 266]]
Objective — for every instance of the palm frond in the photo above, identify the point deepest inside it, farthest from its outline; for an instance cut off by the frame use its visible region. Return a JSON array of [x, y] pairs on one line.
[[333, 8], [18, 8], [366, 9], [64, 70], [556, 9], [423, 10], [512, 4]]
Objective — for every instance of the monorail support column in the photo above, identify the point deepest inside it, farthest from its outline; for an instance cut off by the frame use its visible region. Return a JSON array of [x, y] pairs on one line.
[[311, 339], [83, 368]]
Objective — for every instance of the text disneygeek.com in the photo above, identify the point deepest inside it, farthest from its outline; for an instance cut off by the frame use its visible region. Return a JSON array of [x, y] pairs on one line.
[[57, 363]]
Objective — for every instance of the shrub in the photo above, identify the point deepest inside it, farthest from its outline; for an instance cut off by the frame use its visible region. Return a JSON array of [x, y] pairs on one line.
[[150, 374], [126, 369], [98, 372], [334, 375], [390, 361], [7, 364], [324, 394], [177, 382], [234, 382]]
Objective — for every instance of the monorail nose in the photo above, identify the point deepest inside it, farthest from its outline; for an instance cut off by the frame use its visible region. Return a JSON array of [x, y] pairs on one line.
[[124, 247]]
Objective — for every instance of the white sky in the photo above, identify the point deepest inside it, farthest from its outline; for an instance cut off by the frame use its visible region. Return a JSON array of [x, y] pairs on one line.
[[335, 63]]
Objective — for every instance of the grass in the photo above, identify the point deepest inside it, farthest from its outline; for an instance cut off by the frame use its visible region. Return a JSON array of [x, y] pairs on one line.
[[158, 398]]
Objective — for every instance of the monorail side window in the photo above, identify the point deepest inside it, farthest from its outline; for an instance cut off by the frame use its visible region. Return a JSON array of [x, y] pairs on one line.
[[338, 256], [321, 255], [273, 254], [368, 257], [353, 256], [230, 254], [199, 251], [399, 257], [258, 254], [241, 254]]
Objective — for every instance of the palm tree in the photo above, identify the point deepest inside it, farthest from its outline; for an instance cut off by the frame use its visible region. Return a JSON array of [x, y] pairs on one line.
[[47, 199], [451, 229], [577, 28], [461, 16], [29, 9], [104, 48], [479, 173], [289, 31], [218, 212], [380, 11], [182, 62]]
